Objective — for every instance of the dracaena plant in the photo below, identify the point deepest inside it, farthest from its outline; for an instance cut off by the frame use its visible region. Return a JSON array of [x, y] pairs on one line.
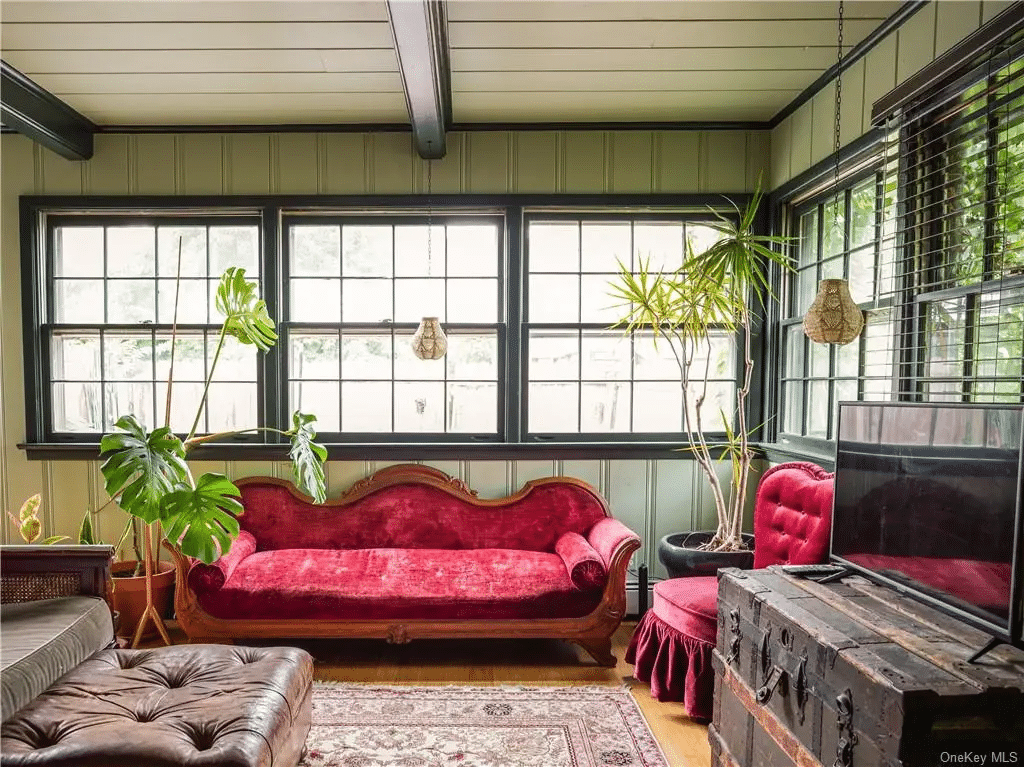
[[709, 296], [146, 471]]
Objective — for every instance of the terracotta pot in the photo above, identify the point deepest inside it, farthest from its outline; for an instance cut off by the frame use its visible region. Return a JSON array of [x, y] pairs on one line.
[[130, 595], [681, 558]]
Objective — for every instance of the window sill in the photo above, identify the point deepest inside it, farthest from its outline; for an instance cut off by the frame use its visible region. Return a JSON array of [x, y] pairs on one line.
[[801, 449], [410, 451]]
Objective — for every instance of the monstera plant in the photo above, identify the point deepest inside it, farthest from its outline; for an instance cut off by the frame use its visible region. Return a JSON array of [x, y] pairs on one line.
[[146, 472]]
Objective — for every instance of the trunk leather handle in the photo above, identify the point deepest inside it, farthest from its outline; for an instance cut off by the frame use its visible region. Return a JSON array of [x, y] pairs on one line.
[[776, 677], [737, 636]]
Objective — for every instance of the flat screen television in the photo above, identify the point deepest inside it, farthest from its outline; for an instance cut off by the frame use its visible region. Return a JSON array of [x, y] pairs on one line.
[[928, 500]]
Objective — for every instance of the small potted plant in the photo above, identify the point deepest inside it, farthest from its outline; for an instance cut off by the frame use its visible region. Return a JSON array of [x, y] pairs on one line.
[[710, 294], [28, 524], [146, 473]]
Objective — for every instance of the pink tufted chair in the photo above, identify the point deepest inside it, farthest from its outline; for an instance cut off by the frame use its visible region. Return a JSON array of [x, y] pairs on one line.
[[672, 645]]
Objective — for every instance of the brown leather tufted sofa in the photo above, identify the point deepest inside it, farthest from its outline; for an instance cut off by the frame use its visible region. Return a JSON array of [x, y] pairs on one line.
[[71, 700]]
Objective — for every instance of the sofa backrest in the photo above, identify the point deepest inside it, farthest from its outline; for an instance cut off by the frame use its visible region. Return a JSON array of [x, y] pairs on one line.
[[412, 506]]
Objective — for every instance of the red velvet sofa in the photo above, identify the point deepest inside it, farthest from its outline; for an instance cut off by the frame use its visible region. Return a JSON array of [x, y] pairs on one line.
[[413, 553]]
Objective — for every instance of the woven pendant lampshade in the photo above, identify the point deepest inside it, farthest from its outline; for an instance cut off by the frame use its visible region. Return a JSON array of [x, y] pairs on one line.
[[429, 342], [833, 318]]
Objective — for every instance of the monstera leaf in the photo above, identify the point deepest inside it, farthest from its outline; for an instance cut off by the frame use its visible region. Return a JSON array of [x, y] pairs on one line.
[[143, 467], [245, 316], [201, 520], [307, 457]]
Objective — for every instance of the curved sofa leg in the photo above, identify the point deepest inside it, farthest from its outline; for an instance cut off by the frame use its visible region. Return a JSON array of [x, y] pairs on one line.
[[600, 649]]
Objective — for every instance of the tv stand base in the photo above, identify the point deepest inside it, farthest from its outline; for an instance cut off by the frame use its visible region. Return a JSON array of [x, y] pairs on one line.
[[992, 643], [853, 674]]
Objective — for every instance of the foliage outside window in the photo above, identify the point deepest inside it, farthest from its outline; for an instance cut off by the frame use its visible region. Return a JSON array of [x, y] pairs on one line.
[[933, 246], [969, 247], [837, 236]]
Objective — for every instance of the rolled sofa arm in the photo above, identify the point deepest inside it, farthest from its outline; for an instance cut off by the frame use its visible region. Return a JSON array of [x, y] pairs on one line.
[[585, 566], [608, 536], [206, 578]]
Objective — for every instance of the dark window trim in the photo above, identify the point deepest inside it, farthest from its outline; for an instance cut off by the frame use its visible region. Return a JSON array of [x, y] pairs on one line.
[[954, 64], [290, 204], [272, 209], [680, 215], [415, 217], [402, 451], [811, 190]]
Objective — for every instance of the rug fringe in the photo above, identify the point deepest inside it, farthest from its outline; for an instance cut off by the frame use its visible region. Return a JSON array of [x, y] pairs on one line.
[[585, 689]]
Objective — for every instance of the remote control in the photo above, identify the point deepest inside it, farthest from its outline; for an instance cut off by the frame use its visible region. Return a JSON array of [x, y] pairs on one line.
[[812, 571]]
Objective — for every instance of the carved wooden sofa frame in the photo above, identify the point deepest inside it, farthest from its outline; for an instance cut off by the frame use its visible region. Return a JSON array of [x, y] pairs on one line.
[[592, 632]]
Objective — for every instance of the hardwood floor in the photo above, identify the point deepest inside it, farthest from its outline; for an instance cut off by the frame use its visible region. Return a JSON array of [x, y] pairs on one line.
[[505, 661]]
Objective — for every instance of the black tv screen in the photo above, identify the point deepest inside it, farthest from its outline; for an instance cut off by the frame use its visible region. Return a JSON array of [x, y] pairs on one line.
[[928, 499]]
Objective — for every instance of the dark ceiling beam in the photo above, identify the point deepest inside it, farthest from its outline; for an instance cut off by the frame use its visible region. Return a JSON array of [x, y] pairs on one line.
[[44, 118], [420, 28]]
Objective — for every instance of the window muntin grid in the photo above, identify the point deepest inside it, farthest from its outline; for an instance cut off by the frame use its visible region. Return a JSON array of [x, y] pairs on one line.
[[357, 289], [583, 378], [108, 318]]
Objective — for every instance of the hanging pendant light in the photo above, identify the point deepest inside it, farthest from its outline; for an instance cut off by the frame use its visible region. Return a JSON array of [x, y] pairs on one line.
[[834, 317], [429, 342]]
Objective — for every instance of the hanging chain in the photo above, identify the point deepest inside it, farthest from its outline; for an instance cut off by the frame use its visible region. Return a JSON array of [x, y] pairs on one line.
[[430, 218], [839, 89]]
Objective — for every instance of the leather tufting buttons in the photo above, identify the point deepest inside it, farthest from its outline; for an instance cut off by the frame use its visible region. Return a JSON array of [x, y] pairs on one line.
[[203, 736], [131, 659]]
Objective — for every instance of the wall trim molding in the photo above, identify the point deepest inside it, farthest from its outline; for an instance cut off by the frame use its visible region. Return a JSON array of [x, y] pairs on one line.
[[692, 125], [859, 51]]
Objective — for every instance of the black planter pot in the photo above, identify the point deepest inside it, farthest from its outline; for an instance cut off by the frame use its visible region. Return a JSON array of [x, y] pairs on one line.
[[681, 558]]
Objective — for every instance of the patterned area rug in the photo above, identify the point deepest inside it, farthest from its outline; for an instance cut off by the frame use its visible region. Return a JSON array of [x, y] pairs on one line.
[[453, 726]]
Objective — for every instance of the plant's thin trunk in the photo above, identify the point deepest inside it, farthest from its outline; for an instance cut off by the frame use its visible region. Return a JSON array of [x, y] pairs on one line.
[[695, 436], [136, 546], [209, 378], [174, 338], [744, 457]]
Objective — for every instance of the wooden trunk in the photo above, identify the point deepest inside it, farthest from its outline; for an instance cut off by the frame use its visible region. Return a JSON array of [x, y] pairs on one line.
[[853, 674]]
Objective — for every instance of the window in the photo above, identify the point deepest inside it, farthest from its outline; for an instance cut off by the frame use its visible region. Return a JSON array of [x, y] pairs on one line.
[[932, 242], [967, 241], [357, 288], [523, 294], [837, 236], [587, 379], [108, 314]]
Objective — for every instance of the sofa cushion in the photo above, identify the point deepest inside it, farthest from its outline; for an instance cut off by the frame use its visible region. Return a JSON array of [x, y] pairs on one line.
[[375, 584], [45, 639], [408, 516], [584, 565]]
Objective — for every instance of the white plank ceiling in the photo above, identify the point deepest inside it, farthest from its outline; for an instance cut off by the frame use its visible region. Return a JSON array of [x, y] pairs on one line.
[[145, 62]]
